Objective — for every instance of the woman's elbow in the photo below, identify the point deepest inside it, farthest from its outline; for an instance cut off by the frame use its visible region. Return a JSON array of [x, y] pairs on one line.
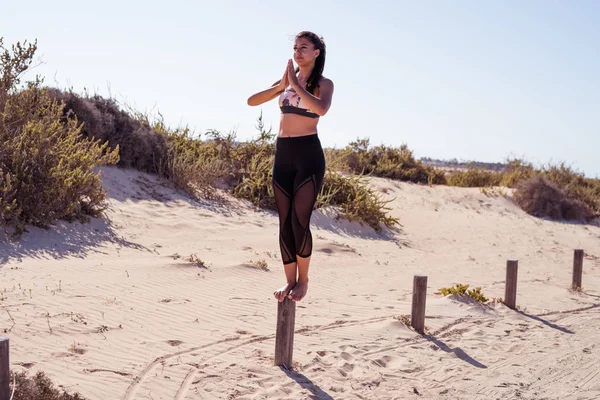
[[322, 111]]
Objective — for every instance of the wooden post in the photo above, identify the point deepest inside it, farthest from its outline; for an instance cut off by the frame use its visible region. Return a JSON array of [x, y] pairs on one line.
[[284, 339], [4, 369], [510, 296], [577, 268], [417, 317]]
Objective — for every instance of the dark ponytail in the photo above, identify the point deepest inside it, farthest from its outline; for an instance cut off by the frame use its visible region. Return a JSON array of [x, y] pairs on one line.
[[317, 73]]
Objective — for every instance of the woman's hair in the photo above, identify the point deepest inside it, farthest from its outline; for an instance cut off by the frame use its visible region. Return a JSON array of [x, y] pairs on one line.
[[317, 72]]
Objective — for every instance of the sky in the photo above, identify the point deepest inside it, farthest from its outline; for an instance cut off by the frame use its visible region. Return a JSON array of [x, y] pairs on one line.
[[473, 80]]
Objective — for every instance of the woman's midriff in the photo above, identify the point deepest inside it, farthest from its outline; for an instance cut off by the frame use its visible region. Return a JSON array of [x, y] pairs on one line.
[[292, 125]]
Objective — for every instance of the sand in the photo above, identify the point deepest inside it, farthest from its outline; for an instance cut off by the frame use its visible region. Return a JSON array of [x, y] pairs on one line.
[[167, 298]]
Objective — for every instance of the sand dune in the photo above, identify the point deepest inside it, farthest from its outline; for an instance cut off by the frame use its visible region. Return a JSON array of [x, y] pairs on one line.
[[165, 298]]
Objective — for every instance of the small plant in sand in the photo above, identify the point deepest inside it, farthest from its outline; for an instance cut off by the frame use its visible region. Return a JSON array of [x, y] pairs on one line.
[[493, 191], [463, 290], [259, 264], [194, 259], [404, 318], [575, 289], [7, 330]]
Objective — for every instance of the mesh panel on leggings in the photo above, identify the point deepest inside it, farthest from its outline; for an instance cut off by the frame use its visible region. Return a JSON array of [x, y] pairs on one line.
[[304, 201], [283, 202]]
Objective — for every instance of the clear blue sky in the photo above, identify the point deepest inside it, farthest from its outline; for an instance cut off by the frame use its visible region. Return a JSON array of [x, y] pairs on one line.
[[473, 80]]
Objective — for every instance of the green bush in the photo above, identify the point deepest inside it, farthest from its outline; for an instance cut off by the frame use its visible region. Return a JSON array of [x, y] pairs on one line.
[[388, 162], [474, 177], [357, 202], [46, 167], [349, 193], [517, 171]]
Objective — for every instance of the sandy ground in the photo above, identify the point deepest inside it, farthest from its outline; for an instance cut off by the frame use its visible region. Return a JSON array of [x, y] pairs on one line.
[[164, 298]]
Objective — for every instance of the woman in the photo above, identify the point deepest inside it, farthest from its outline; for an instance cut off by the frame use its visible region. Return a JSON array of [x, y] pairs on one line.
[[299, 165]]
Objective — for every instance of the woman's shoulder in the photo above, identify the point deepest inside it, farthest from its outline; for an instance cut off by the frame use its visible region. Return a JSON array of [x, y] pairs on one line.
[[326, 83]]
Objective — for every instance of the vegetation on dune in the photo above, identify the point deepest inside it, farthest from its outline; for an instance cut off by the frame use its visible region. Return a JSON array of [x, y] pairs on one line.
[[46, 167], [359, 157], [553, 191], [52, 141]]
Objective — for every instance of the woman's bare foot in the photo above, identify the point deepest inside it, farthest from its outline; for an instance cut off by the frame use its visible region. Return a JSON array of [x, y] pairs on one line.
[[283, 291], [299, 291]]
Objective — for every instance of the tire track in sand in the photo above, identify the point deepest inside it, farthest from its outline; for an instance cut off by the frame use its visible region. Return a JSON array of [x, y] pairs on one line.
[[183, 387]]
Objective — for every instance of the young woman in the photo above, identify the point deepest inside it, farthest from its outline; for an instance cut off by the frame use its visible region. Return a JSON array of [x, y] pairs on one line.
[[299, 166]]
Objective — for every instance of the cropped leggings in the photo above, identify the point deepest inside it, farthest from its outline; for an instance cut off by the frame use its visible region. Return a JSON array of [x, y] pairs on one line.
[[298, 172]]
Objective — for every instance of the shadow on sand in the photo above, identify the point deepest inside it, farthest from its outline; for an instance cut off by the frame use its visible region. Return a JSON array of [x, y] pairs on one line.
[[64, 239], [545, 322], [329, 219], [457, 351], [316, 392]]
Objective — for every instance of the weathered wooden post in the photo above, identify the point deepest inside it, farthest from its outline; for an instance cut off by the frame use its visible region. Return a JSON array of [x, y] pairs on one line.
[[4, 369], [284, 338], [510, 295], [577, 269], [417, 317]]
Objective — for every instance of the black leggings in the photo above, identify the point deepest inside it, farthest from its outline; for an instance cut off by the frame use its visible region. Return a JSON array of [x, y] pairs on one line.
[[298, 172]]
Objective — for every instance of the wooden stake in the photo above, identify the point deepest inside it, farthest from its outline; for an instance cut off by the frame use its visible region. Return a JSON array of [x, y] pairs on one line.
[[577, 269], [4, 369], [510, 296], [284, 339], [417, 318]]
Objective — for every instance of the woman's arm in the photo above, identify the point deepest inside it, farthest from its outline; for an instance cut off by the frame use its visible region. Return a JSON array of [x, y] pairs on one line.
[[266, 95], [320, 105], [270, 93]]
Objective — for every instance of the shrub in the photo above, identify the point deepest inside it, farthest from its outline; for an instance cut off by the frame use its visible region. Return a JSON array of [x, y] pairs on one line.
[[46, 167], [355, 199], [350, 193], [388, 162], [461, 290], [140, 146], [38, 387], [474, 177], [575, 184], [541, 198], [517, 171]]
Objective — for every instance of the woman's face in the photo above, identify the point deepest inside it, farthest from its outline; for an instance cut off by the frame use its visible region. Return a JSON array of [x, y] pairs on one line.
[[304, 51]]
